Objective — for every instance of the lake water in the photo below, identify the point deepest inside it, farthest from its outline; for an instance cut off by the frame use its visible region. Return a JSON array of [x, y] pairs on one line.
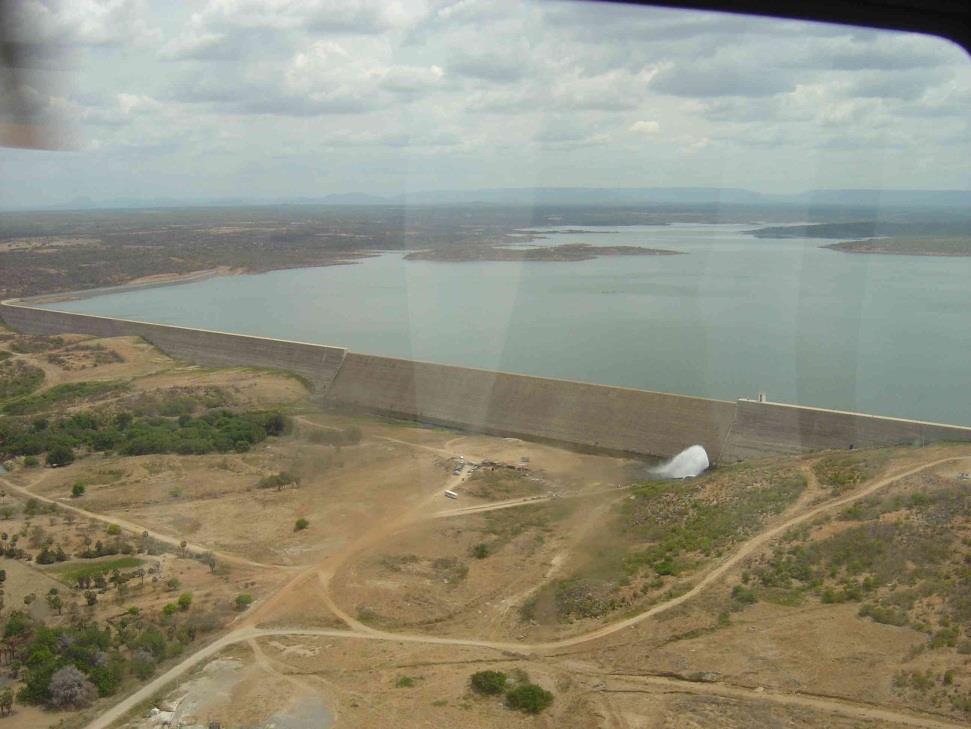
[[888, 335]]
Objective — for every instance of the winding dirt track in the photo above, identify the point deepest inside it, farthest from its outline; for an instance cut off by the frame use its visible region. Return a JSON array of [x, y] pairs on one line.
[[359, 631], [138, 529]]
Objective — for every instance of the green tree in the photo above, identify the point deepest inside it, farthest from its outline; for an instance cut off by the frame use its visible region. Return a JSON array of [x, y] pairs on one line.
[[243, 601], [54, 601], [59, 454], [77, 490], [185, 600], [488, 682], [169, 609], [529, 698]]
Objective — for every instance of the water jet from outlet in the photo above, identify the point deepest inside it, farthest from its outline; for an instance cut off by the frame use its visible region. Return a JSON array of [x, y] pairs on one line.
[[690, 462]]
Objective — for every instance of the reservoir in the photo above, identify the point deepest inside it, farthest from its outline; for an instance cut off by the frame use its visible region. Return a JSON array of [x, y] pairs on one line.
[[733, 316]]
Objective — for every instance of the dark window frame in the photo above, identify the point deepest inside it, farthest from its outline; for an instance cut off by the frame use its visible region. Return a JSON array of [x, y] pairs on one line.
[[950, 19]]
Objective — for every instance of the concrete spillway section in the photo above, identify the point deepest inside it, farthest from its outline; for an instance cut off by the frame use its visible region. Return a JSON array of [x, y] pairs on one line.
[[573, 413]]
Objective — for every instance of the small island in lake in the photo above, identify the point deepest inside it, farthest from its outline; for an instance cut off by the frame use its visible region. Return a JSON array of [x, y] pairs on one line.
[[906, 246], [567, 252]]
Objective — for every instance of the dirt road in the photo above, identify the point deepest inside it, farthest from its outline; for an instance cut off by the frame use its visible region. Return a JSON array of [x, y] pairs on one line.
[[362, 632], [840, 707], [138, 529], [614, 684]]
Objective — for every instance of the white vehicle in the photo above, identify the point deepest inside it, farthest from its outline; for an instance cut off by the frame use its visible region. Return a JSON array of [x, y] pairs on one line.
[[451, 495]]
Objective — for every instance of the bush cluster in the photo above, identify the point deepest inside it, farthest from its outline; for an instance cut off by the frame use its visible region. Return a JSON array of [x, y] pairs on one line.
[[526, 697], [277, 480], [216, 431], [68, 666]]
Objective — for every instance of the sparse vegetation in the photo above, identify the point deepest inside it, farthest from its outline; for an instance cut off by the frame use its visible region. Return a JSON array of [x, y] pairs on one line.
[[843, 472], [501, 483], [18, 379], [278, 481], [489, 683], [335, 436], [83, 356], [62, 395], [529, 698]]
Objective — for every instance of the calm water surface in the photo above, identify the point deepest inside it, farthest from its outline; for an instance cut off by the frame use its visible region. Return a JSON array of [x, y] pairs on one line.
[[889, 335]]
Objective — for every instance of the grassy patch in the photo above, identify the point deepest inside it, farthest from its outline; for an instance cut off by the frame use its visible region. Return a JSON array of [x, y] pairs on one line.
[[83, 356], [18, 379], [501, 484], [29, 344], [843, 472], [61, 395], [72, 571], [678, 523], [440, 569], [506, 524], [908, 569]]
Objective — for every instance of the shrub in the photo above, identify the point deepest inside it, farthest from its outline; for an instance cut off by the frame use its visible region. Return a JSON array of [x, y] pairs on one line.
[[70, 689], [300, 524], [243, 601], [480, 551], [277, 480], [529, 698], [489, 683], [60, 455], [404, 682], [31, 462], [18, 379], [742, 596], [77, 490], [185, 600], [884, 614]]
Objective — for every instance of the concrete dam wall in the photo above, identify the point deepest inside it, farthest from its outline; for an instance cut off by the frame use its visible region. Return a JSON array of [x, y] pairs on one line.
[[593, 416], [315, 362], [572, 413], [764, 428]]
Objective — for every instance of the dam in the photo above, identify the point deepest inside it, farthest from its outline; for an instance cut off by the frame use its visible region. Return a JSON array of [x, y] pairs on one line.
[[575, 414]]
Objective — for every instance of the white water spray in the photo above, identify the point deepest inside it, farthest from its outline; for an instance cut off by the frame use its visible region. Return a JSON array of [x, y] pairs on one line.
[[688, 463]]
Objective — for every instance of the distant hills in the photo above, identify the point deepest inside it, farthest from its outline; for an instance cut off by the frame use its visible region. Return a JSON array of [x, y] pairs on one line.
[[571, 196]]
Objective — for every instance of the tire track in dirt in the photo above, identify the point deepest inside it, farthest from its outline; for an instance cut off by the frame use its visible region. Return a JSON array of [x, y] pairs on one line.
[[362, 632], [138, 529]]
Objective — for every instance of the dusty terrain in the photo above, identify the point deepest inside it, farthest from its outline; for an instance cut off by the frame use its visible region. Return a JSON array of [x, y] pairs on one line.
[[828, 590]]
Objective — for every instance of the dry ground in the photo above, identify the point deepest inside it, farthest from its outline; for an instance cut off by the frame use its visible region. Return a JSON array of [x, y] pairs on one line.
[[546, 564]]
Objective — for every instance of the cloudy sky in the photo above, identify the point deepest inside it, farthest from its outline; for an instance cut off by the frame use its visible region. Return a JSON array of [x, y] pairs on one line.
[[280, 98]]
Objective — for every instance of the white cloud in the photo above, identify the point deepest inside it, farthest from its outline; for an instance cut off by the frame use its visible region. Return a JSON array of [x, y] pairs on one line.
[[487, 91], [647, 128]]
